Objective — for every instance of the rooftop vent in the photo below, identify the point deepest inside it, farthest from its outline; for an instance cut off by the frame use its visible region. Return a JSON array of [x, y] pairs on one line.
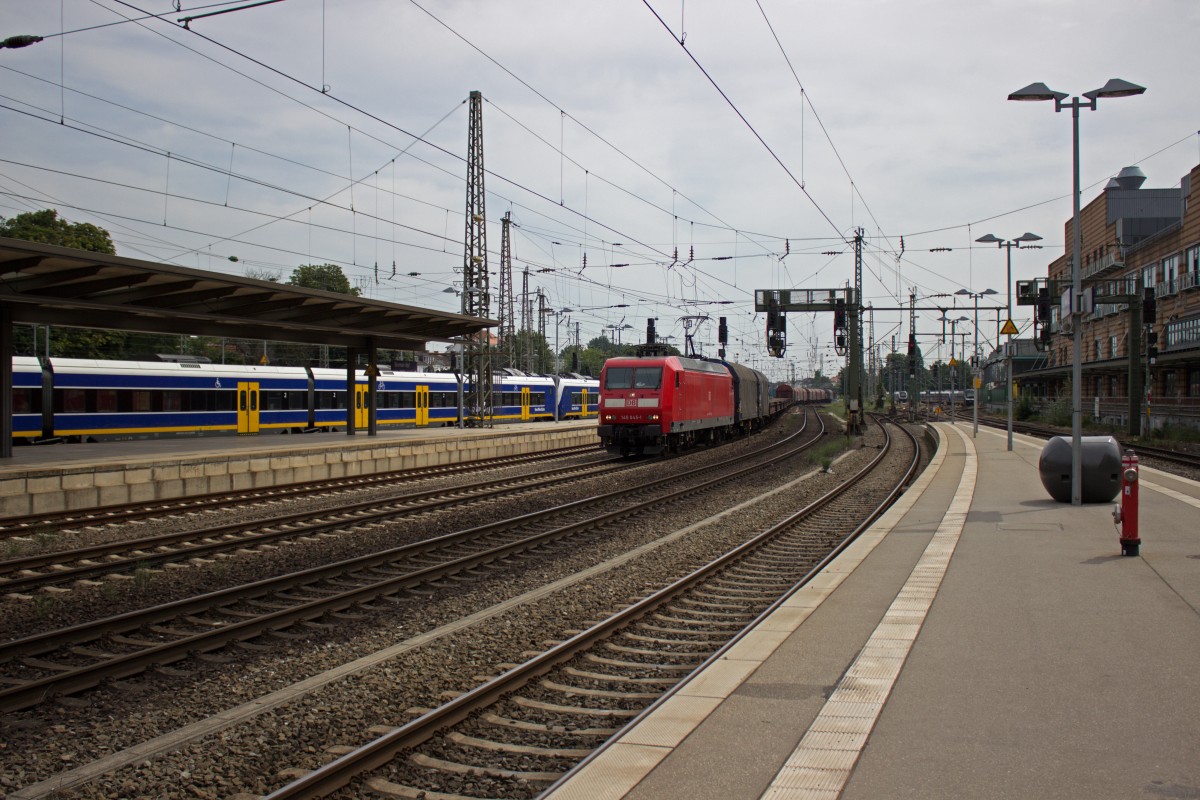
[[1112, 184], [1131, 178]]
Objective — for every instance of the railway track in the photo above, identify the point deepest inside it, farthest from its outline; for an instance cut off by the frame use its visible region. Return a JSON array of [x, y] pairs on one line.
[[30, 573], [50, 522], [520, 731], [70, 660]]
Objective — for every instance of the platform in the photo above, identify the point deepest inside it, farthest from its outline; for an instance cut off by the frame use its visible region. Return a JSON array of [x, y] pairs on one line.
[[980, 641], [71, 476]]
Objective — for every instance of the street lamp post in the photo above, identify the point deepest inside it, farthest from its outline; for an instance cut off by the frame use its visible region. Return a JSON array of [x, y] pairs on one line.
[[1040, 91], [975, 357], [1008, 245]]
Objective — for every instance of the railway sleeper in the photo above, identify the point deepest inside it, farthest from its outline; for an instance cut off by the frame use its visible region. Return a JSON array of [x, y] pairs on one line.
[[704, 628], [429, 762], [703, 644], [638, 665], [600, 676], [390, 789], [42, 664], [609, 694], [579, 711], [701, 616], [538, 727], [463, 740], [688, 602], [638, 651]]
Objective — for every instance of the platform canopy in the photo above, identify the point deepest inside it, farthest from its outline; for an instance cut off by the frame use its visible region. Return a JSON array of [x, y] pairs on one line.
[[49, 285]]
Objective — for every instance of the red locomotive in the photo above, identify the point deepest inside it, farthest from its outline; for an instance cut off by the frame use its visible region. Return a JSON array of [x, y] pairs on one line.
[[657, 403]]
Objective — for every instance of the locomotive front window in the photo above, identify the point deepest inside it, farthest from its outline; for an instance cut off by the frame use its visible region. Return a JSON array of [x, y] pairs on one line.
[[633, 378], [618, 378], [647, 377]]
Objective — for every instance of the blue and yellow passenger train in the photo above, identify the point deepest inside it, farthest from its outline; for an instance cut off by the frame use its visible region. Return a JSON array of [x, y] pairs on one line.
[[77, 399]]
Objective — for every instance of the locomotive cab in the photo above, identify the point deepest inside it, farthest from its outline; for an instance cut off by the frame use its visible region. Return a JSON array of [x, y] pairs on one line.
[[631, 407]]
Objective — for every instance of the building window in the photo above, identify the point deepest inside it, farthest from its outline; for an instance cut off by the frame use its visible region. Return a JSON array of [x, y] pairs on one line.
[[1192, 260], [1112, 347], [1096, 350], [1194, 383], [1169, 383], [1170, 267], [1148, 276], [1115, 387]]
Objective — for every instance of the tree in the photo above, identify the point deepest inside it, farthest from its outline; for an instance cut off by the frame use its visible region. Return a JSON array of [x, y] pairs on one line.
[[46, 227], [328, 277]]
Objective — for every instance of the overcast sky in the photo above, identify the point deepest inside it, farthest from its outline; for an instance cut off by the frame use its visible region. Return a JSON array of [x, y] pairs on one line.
[[604, 138]]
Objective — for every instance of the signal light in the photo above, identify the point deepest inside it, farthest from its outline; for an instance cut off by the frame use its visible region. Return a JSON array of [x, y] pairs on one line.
[[1149, 307], [722, 331], [1043, 306], [839, 315]]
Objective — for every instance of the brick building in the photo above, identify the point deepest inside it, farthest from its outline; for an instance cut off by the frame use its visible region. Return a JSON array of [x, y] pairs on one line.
[[1134, 238]]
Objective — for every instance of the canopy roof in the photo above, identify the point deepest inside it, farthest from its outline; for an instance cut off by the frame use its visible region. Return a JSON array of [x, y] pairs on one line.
[[59, 286]]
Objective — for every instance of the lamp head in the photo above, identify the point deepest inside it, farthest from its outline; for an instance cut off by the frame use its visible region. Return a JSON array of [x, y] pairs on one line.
[[1029, 237], [1115, 88], [963, 292], [989, 238], [989, 291], [1037, 91]]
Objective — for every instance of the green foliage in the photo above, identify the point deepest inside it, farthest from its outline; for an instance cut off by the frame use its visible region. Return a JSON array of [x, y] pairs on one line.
[[47, 228], [825, 453], [1024, 408], [328, 277], [1059, 411]]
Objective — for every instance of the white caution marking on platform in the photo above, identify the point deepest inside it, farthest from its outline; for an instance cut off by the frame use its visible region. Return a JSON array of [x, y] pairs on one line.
[[820, 766]]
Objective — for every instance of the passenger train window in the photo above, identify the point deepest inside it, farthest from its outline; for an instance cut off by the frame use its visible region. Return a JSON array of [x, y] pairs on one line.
[[106, 399]]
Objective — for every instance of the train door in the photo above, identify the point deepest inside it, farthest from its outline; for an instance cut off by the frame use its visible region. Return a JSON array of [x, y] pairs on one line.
[[524, 403], [422, 409], [247, 407], [583, 403], [362, 407]]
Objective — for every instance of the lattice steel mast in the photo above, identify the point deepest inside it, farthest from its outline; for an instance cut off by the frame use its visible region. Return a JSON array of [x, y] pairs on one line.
[[477, 355], [507, 326]]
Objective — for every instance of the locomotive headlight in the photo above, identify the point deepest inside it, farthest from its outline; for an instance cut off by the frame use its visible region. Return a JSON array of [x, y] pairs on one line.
[[610, 417], [653, 417]]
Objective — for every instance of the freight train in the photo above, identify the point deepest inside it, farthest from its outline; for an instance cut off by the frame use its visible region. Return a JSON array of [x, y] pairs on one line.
[[801, 394], [76, 399], [651, 405]]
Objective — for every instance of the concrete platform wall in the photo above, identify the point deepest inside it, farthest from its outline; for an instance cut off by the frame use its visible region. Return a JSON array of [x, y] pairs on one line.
[[75, 486]]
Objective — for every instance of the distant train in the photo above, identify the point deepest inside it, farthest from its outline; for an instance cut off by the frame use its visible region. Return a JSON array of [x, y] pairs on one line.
[[801, 394], [76, 398], [668, 403], [944, 398]]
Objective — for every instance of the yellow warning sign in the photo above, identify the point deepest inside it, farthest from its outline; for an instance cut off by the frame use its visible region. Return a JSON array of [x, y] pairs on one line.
[[953, 362], [976, 381], [1009, 329]]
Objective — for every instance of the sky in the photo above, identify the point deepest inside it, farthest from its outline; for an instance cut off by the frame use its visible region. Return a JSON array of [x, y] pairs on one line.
[[658, 159]]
